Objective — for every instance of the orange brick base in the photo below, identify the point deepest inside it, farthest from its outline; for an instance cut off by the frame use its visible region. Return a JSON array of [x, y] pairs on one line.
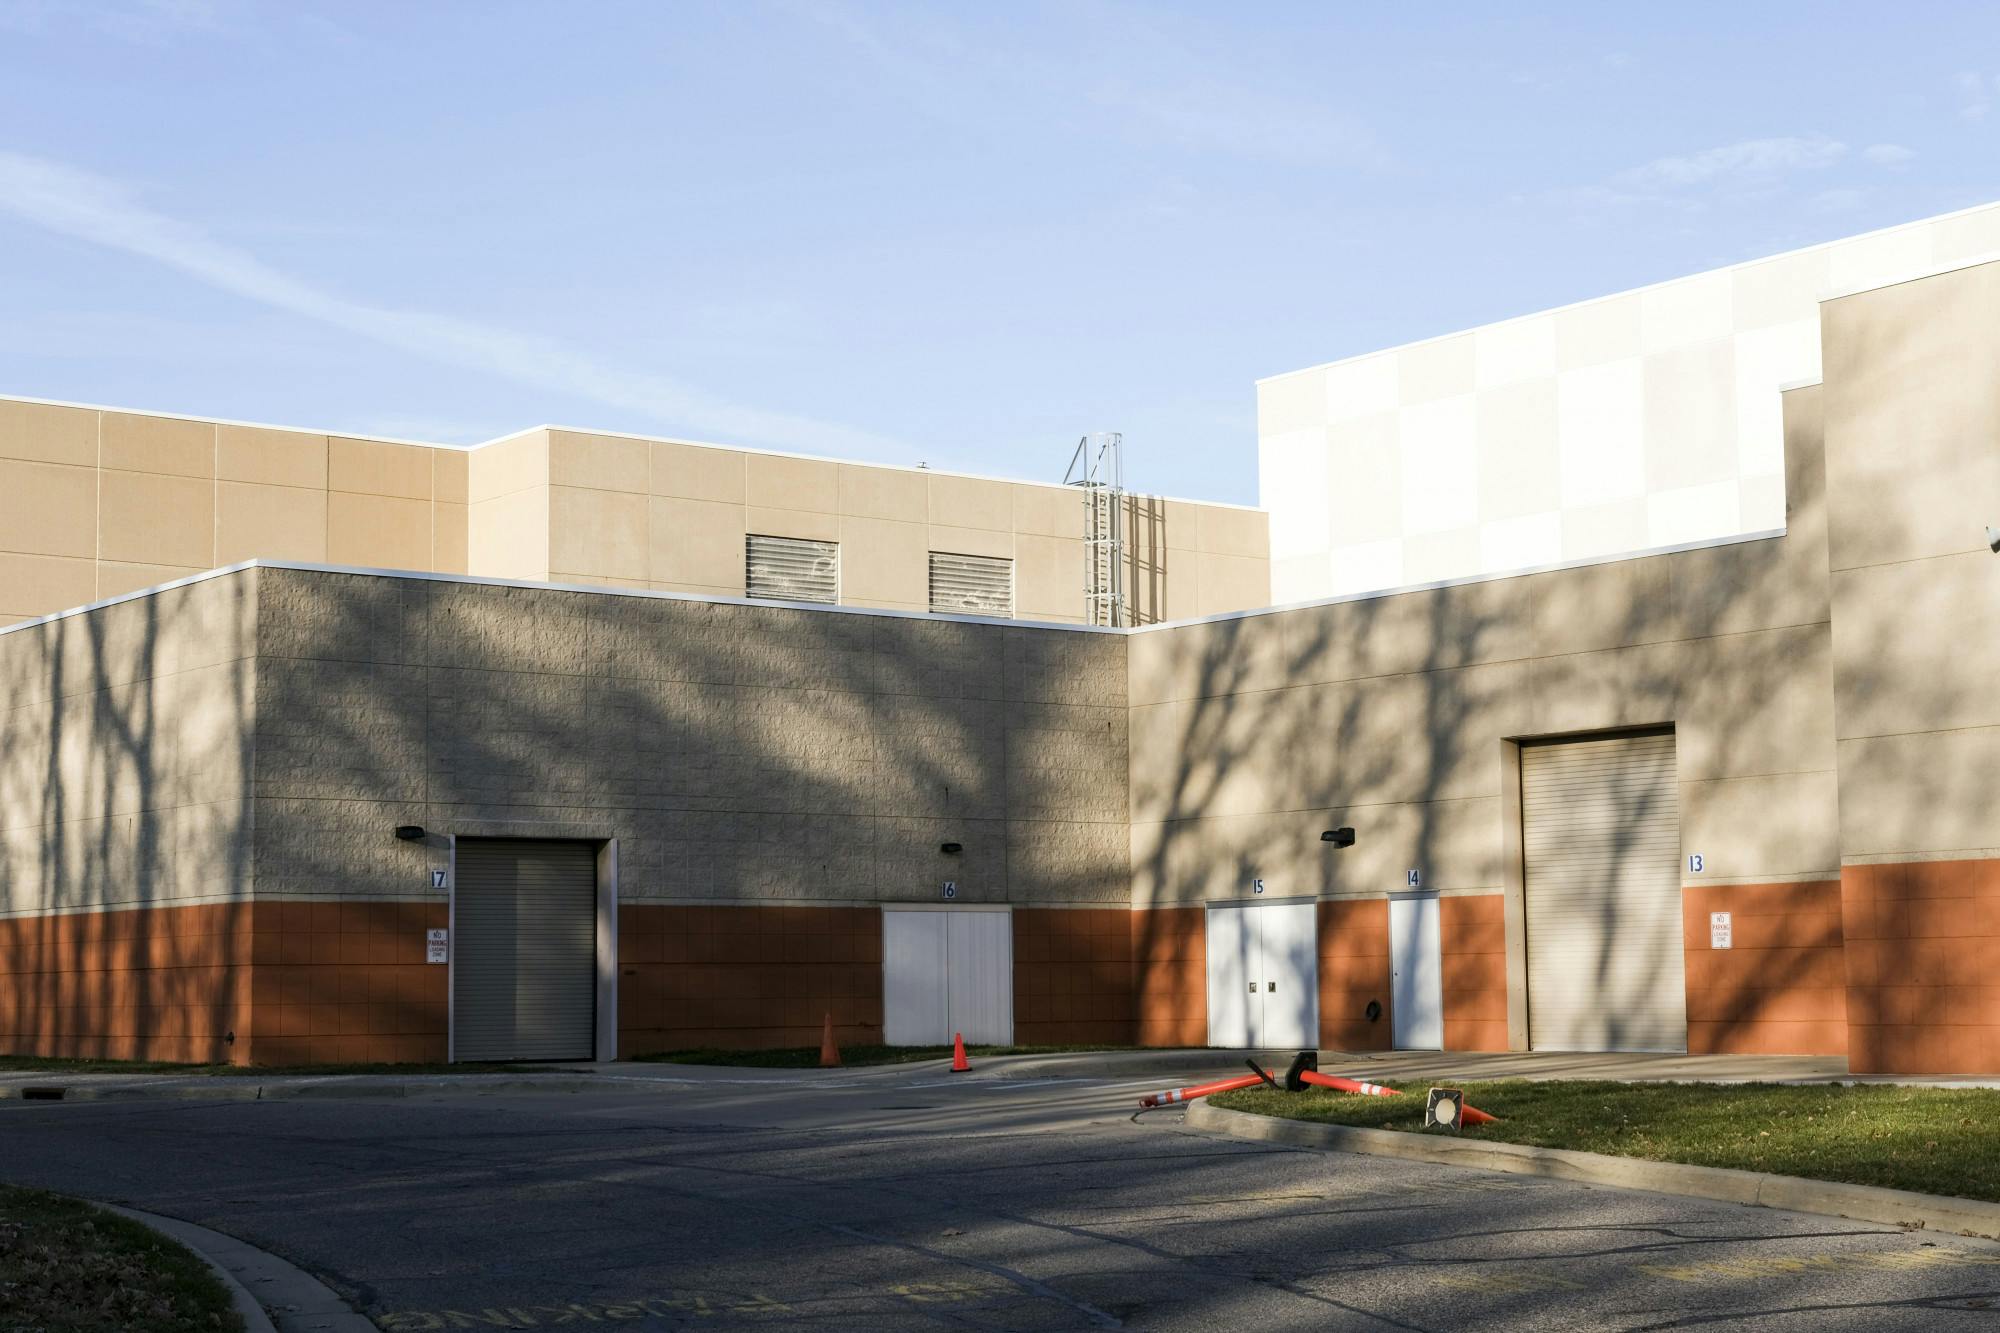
[[1923, 944], [1780, 988]]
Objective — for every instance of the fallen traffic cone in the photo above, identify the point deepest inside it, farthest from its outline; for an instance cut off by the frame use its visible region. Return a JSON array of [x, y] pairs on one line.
[[829, 1054], [959, 1064], [1471, 1115], [1173, 1095]]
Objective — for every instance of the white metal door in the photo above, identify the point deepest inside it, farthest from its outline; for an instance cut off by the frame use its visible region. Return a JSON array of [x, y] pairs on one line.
[[915, 1007], [1232, 973], [1600, 832], [979, 976], [1416, 975], [1288, 954], [1263, 976]]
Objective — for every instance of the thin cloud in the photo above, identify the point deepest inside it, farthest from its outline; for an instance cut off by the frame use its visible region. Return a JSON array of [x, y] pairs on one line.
[[1750, 160], [1887, 154], [1975, 94], [79, 204]]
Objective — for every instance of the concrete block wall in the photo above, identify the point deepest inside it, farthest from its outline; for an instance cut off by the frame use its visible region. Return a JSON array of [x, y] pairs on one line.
[[1398, 715]]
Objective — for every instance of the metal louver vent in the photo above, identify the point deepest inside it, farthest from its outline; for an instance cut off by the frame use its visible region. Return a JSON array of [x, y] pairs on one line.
[[972, 585], [792, 569]]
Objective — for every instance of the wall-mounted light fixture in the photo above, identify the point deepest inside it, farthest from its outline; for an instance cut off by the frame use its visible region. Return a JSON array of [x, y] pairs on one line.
[[950, 848], [1993, 539], [410, 832], [1339, 837]]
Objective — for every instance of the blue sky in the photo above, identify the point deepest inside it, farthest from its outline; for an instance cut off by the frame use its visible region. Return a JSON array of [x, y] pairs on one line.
[[951, 233]]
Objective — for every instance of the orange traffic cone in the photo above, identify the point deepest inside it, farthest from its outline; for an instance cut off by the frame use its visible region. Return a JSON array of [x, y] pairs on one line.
[[829, 1054], [959, 1064]]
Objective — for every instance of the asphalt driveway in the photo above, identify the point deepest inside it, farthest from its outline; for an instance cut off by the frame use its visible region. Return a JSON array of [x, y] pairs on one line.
[[908, 1198]]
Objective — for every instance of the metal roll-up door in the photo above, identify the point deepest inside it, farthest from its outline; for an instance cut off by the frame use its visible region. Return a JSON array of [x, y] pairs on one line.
[[1600, 823], [524, 950]]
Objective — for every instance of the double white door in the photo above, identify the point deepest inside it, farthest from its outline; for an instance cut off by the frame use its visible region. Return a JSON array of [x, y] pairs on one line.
[[946, 971], [1263, 976]]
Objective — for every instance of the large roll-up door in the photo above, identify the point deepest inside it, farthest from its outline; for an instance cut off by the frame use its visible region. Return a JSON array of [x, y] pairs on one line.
[[1600, 823], [524, 950]]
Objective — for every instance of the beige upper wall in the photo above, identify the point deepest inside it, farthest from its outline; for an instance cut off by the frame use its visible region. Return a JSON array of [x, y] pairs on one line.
[[94, 503], [1913, 471], [1391, 714], [673, 517]]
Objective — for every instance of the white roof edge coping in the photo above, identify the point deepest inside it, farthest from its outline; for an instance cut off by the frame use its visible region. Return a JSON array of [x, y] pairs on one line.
[[1813, 383], [485, 581], [427, 576], [1464, 580], [1666, 282], [588, 430]]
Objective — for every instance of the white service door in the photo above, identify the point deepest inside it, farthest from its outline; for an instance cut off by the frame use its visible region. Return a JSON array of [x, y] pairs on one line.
[[1232, 968], [1263, 976], [1416, 975], [915, 1010], [1288, 944], [979, 976]]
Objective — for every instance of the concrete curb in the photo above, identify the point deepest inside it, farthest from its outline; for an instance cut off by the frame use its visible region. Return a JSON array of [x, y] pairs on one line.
[[1862, 1203], [302, 1303]]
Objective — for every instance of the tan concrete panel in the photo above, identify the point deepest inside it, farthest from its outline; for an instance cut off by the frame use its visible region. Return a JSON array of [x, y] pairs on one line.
[[517, 463], [968, 502], [602, 533], [270, 457], [1239, 532], [1920, 793], [1916, 645], [449, 475], [1049, 511], [148, 518], [37, 433], [1756, 704], [691, 472], [268, 522], [1912, 409], [1419, 631], [884, 562], [696, 545], [135, 443], [1622, 687], [116, 578], [448, 536], [880, 492], [508, 536], [972, 541], [1764, 828], [601, 462], [378, 531], [1231, 583], [1600, 606], [806, 525], [48, 509], [35, 585], [793, 483], [369, 467], [1048, 576]]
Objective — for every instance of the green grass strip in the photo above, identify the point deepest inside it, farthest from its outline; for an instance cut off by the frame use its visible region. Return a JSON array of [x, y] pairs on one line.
[[1933, 1140]]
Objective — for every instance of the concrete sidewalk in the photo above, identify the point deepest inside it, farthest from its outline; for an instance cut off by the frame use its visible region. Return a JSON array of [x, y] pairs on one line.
[[1170, 1067]]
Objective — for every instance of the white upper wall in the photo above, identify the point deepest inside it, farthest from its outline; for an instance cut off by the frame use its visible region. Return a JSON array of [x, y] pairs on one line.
[[1645, 419]]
